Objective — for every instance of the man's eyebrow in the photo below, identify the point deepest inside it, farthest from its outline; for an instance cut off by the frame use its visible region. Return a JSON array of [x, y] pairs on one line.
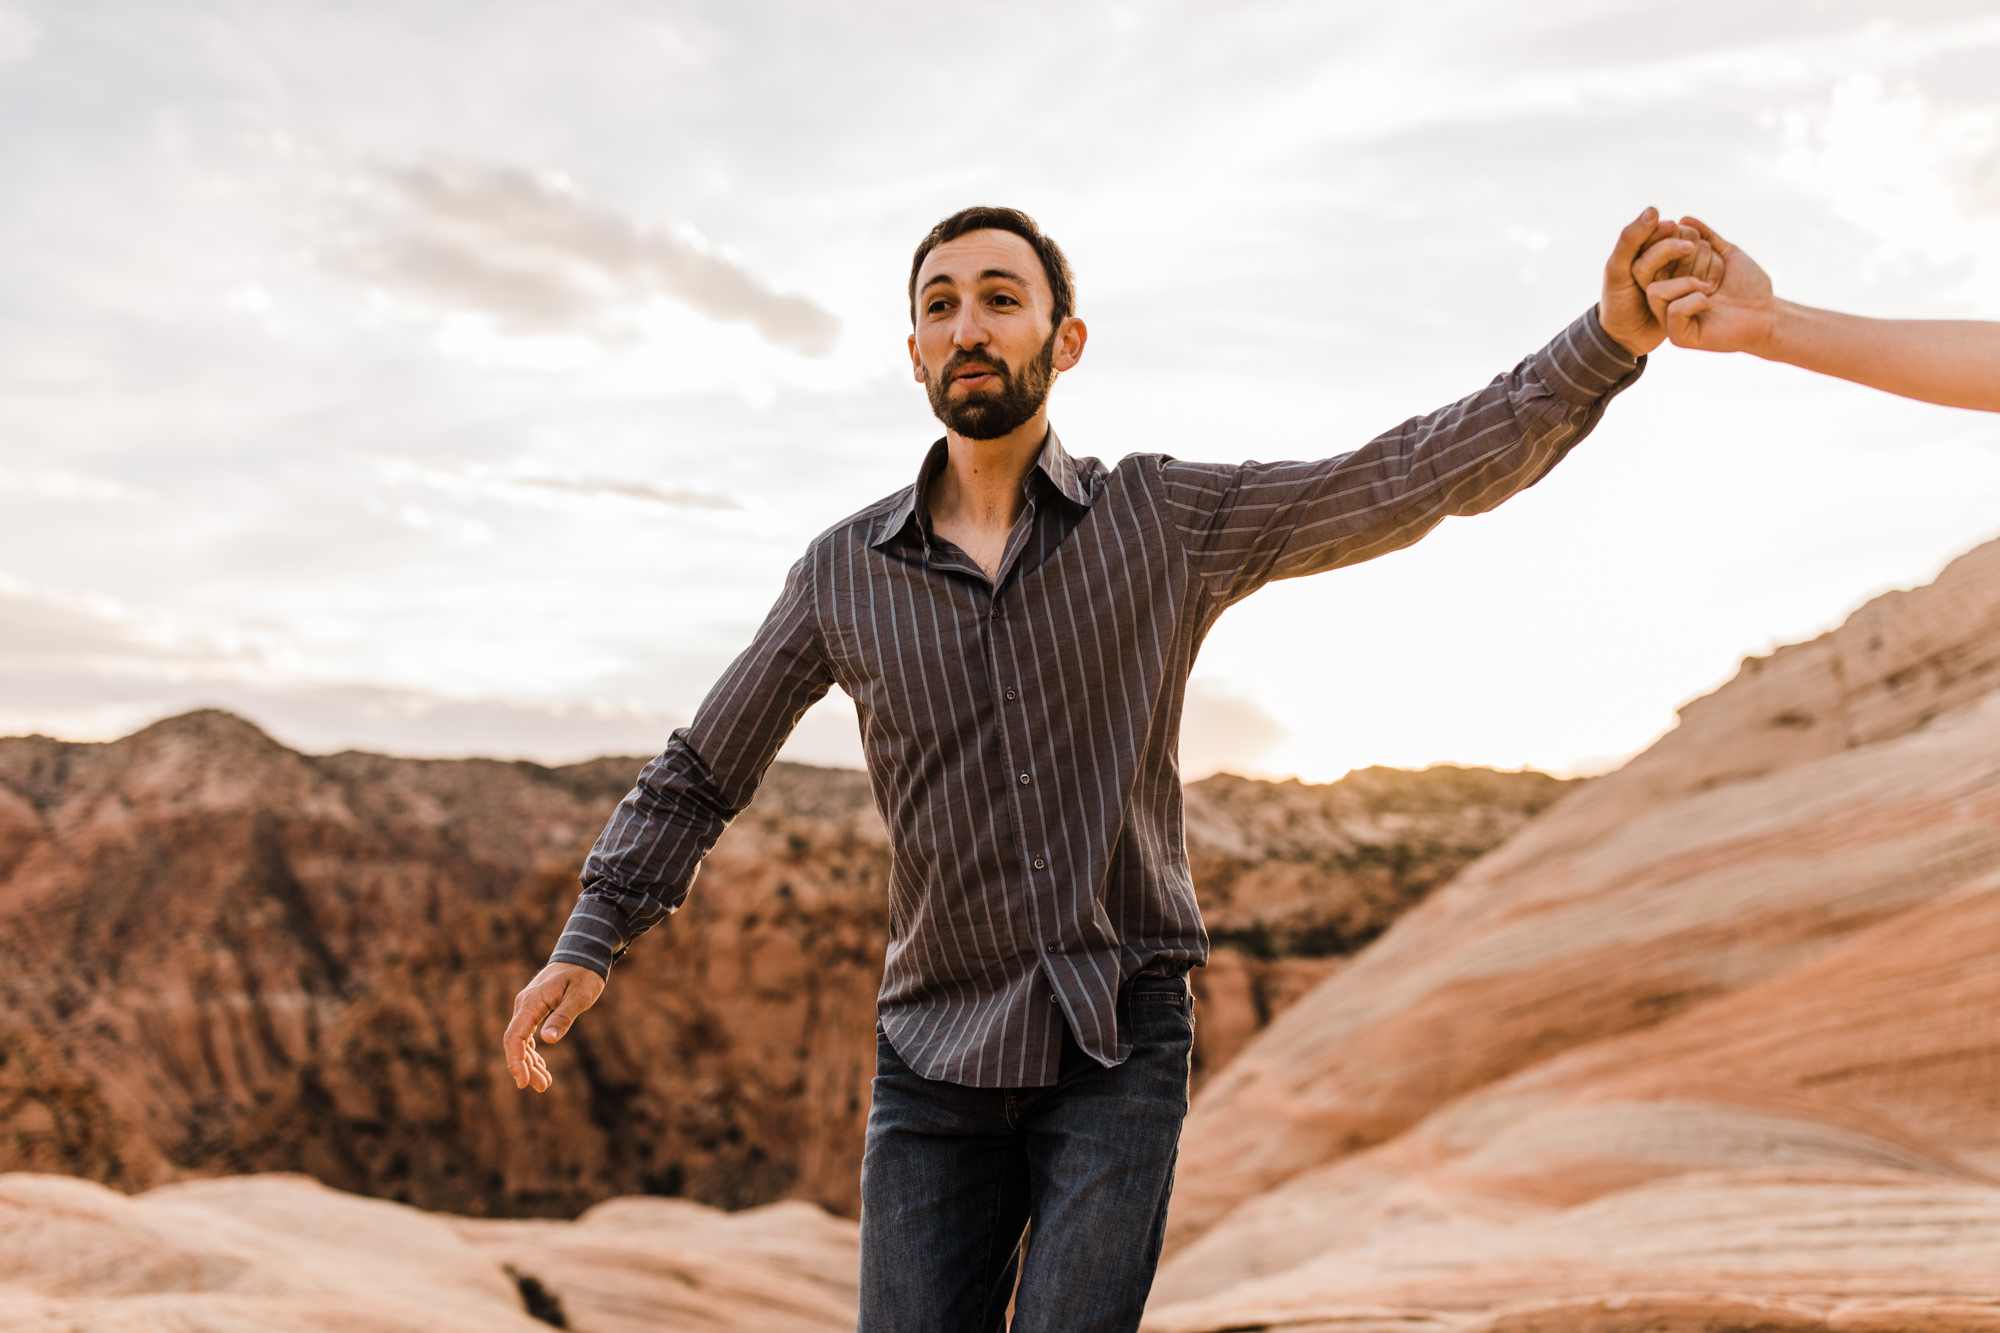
[[1006, 273]]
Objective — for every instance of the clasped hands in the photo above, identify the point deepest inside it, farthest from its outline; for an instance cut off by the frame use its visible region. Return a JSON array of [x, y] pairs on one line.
[[1680, 281]]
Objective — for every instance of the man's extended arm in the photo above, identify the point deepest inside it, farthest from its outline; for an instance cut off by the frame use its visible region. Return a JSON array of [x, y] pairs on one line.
[[640, 870], [1955, 362], [1244, 525]]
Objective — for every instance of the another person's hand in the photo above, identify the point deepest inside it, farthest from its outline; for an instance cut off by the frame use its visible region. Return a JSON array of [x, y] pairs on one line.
[[548, 1005], [1953, 362], [1736, 313], [1647, 247]]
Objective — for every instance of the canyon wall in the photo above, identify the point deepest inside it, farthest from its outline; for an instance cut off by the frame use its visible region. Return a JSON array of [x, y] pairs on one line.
[[225, 956]]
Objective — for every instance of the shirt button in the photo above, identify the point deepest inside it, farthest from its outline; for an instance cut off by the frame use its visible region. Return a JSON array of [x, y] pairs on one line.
[[1024, 779], [1040, 863], [1011, 695], [1055, 946], [1055, 999]]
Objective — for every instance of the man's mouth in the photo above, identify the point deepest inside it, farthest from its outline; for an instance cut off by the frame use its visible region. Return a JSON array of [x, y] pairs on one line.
[[975, 376]]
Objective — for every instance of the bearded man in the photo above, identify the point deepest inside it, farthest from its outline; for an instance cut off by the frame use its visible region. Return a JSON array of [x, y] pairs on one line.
[[1016, 630]]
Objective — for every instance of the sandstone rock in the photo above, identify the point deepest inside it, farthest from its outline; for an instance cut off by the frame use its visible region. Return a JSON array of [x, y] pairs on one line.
[[1294, 877], [1713, 1044], [638, 1265], [279, 1254]]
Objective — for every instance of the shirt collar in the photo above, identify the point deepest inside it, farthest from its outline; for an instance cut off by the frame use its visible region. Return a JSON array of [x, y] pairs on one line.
[[1053, 462]]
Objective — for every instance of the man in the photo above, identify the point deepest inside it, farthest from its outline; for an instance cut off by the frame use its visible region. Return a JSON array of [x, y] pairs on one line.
[[1016, 631], [1954, 362]]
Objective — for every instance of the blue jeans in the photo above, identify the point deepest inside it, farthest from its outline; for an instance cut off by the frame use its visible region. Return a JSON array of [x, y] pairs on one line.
[[953, 1177]]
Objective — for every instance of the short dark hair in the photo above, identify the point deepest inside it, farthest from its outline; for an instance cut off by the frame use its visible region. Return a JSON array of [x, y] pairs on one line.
[[988, 217]]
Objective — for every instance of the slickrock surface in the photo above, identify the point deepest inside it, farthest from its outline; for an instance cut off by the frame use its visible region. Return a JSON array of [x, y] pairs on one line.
[[283, 1254], [225, 956], [1714, 1044], [1295, 877], [642, 1265]]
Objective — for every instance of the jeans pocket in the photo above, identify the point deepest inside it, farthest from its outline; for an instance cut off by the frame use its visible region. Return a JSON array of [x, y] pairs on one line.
[[1158, 990]]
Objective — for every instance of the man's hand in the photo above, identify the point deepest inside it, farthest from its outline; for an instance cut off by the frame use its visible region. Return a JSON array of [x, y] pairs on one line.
[[1647, 246], [549, 1003], [1704, 266], [1737, 313]]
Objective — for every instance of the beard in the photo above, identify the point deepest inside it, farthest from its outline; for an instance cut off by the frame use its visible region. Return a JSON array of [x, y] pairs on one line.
[[988, 416]]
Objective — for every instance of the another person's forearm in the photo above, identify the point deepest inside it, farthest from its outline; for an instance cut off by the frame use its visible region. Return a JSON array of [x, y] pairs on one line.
[[1953, 362]]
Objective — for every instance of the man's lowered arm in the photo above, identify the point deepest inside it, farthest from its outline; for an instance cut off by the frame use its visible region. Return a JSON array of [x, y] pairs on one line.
[[644, 862]]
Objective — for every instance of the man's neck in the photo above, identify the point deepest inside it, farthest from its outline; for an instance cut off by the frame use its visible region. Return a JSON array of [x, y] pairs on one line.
[[975, 499]]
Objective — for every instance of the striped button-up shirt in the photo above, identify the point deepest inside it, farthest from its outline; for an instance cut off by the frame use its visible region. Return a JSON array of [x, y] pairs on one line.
[[1021, 732]]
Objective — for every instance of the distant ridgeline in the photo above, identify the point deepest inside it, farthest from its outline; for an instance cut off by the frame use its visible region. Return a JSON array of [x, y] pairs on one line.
[[226, 956]]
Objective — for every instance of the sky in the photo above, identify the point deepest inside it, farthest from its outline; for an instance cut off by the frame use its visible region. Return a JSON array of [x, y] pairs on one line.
[[454, 378]]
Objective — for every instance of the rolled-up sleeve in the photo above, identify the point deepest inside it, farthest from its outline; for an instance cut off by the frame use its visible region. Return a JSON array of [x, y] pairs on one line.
[[645, 860], [1246, 524]]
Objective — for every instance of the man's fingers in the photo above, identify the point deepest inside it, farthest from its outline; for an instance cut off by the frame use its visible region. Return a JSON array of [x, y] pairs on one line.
[[517, 1043], [1647, 268], [531, 1006], [574, 1001], [545, 1008], [1684, 265], [1637, 234]]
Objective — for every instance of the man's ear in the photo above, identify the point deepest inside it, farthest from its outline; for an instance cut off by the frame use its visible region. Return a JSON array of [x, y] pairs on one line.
[[916, 362], [1069, 343]]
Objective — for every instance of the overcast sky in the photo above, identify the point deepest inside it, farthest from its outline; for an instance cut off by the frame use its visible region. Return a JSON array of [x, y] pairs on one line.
[[452, 378]]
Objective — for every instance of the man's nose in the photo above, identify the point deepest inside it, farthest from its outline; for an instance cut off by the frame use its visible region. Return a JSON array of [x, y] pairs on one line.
[[968, 330]]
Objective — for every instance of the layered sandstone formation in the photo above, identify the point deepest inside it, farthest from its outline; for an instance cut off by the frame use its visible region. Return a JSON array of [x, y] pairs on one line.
[[1714, 1044], [226, 956], [283, 1254]]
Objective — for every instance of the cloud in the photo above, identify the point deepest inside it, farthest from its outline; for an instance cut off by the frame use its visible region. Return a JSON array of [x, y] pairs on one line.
[[81, 666], [58, 484], [530, 254], [84, 632], [18, 35], [47, 628], [631, 490]]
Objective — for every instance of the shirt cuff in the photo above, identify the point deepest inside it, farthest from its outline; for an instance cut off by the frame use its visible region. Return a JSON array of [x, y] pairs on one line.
[[1585, 365], [594, 937]]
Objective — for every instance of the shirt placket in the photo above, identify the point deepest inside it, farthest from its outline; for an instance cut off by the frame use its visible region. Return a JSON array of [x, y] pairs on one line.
[[1008, 640], [1008, 703]]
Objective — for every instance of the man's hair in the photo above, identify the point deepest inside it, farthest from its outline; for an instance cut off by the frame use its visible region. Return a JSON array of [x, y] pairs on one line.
[[987, 217]]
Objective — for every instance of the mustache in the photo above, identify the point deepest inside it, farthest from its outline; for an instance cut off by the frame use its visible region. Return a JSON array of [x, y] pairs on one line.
[[960, 360]]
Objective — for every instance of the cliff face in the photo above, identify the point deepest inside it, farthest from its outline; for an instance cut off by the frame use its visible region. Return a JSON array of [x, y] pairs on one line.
[[1715, 1043], [227, 956]]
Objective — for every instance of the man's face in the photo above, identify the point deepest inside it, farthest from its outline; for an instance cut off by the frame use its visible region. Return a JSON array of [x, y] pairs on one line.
[[986, 348]]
